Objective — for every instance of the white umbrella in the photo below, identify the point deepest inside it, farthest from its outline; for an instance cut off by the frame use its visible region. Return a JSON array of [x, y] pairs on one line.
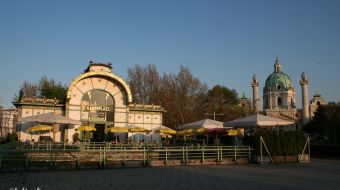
[[257, 121], [49, 118], [205, 123]]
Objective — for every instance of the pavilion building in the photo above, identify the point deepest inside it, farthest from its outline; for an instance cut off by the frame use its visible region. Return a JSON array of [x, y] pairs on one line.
[[97, 97]]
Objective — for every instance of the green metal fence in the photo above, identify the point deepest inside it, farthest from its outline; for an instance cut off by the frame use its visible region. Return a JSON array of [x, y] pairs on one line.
[[22, 155]]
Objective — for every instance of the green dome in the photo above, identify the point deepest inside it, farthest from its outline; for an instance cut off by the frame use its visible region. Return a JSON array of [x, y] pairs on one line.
[[278, 81]]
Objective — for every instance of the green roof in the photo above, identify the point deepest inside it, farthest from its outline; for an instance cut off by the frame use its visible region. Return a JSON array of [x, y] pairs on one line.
[[278, 81]]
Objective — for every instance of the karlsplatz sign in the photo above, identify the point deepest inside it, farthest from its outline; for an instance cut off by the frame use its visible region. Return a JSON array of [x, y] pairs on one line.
[[97, 108]]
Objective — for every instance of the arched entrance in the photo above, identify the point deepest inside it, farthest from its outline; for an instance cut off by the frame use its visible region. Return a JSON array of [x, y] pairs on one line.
[[97, 109]]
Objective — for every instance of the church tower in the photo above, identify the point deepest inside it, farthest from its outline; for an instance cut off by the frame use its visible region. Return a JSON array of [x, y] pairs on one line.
[[304, 89], [255, 86]]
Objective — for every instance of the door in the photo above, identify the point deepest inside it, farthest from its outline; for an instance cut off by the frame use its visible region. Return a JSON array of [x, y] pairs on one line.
[[99, 134]]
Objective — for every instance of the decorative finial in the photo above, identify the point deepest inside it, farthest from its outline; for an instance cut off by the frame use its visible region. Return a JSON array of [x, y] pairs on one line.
[[243, 96], [277, 61], [277, 65], [317, 94], [303, 76], [255, 79]]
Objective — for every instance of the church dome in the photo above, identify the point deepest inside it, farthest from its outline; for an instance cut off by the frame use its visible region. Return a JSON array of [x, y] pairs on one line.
[[278, 80]]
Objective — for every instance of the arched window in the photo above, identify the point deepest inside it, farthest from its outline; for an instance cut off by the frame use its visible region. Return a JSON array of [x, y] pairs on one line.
[[97, 105], [279, 101]]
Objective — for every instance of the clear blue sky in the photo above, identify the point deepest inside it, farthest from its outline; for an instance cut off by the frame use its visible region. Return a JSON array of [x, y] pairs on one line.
[[222, 42]]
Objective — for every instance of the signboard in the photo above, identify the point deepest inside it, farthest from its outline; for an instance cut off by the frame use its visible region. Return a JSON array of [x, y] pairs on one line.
[[97, 108]]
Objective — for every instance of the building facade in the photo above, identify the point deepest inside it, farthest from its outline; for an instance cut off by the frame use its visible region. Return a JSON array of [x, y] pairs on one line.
[[279, 96], [316, 101], [97, 97], [8, 121], [245, 104]]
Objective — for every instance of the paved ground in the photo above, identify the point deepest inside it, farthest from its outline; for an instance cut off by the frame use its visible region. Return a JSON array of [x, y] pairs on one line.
[[319, 174]]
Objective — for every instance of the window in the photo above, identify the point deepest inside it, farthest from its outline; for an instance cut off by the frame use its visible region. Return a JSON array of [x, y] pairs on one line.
[[97, 105], [279, 101]]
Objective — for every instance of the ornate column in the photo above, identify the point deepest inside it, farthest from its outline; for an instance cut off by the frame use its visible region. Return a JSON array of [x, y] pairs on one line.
[[255, 86], [304, 89]]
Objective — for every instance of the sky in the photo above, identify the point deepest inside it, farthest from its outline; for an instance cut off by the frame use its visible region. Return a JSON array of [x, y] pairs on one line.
[[222, 42]]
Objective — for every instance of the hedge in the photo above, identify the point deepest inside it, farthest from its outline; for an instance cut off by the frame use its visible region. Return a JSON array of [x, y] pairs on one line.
[[279, 143]]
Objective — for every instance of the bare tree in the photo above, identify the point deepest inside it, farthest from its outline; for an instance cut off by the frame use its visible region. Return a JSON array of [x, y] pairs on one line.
[[183, 95], [144, 83], [27, 90]]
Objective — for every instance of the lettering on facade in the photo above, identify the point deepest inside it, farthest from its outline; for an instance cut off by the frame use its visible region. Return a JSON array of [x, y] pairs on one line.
[[97, 108]]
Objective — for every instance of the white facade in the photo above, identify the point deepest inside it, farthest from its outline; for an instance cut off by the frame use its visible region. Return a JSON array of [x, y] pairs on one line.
[[8, 121]]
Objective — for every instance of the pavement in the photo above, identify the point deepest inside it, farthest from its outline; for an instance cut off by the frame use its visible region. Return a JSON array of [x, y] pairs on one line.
[[318, 174]]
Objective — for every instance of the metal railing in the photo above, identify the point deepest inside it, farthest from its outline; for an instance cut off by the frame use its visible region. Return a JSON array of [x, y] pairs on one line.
[[75, 155]]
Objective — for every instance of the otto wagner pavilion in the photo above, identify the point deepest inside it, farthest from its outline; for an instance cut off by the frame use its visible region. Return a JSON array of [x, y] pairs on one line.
[[97, 97]]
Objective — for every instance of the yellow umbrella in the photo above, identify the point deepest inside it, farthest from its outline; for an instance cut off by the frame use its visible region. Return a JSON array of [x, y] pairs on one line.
[[200, 130], [232, 132], [186, 132], [86, 128], [164, 130], [136, 129], [117, 130], [37, 128], [166, 136]]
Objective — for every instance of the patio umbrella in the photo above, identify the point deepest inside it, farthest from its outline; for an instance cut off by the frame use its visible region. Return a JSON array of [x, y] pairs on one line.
[[186, 132], [117, 130], [203, 126], [38, 128], [135, 129], [205, 123], [49, 118], [257, 121], [163, 129], [86, 129], [201, 130]]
